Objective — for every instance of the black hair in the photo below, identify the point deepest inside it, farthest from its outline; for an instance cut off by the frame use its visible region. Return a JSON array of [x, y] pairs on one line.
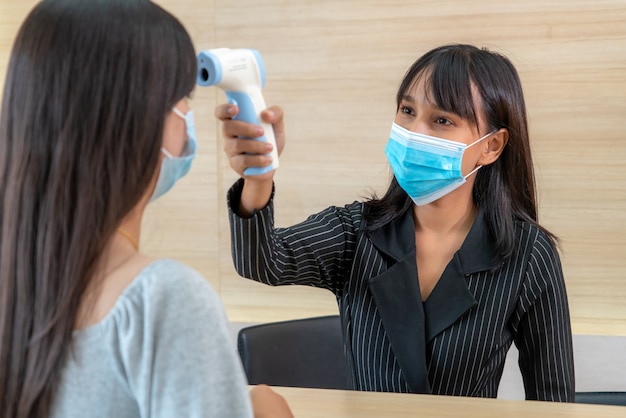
[[87, 90], [505, 189]]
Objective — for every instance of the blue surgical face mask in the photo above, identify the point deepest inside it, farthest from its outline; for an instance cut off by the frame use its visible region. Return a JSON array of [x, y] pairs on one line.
[[426, 167], [173, 168]]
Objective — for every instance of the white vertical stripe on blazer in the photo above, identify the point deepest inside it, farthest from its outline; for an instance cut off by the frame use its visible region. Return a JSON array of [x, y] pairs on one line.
[[454, 343]]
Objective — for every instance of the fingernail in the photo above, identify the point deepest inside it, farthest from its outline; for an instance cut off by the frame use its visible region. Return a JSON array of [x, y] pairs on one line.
[[231, 110], [268, 147], [258, 131], [269, 114]]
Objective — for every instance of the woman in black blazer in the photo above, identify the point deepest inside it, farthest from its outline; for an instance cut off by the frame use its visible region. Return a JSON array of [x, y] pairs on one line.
[[436, 279]]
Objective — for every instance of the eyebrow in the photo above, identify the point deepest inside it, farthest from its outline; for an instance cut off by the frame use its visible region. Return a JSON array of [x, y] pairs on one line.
[[411, 99]]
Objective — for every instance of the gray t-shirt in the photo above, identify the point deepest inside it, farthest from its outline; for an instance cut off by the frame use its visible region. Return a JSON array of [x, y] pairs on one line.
[[164, 350]]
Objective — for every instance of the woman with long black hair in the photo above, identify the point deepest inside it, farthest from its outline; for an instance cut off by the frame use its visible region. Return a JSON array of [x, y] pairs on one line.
[[95, 124], [436, 279]]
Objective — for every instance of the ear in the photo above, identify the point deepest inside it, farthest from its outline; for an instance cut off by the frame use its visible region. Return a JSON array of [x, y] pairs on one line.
[[493, 147]]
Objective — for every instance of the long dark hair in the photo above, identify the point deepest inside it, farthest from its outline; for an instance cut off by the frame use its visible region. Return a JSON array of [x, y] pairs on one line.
[[87, 90], [505, 190]]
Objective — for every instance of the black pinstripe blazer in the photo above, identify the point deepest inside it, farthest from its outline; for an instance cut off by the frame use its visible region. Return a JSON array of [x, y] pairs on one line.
[[454, 343]]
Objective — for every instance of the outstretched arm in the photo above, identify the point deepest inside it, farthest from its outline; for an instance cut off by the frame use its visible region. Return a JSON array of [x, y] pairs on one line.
[[242, 152]]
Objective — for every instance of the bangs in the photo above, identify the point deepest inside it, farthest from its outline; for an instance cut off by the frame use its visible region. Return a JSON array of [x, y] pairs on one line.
[[447, 81], [451, 87], [173, 52], [186, 70]]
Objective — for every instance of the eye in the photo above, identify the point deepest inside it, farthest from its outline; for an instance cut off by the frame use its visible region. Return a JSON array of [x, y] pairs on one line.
[[443, 121], [406, 110]]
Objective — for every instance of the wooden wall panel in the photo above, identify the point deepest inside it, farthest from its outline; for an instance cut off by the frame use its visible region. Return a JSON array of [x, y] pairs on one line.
[[335, 66], [182, 223]]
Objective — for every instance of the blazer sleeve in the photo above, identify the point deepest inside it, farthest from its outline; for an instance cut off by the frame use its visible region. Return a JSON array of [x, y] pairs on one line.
[[315, 252], [543, 335]]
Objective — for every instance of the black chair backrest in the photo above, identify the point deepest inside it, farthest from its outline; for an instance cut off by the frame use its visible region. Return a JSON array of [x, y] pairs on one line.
[[299, 353], [604, 398]]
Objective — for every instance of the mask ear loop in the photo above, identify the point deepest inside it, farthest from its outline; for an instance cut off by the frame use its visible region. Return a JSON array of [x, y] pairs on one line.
[[474, 143], [472, 172], [481, 138], [182, 115], [179, 113]]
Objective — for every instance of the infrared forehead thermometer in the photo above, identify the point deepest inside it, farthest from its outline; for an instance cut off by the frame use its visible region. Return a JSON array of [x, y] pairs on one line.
[[241, 74]]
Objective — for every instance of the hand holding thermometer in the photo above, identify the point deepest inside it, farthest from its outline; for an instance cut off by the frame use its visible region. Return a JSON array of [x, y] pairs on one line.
[[241, 74]]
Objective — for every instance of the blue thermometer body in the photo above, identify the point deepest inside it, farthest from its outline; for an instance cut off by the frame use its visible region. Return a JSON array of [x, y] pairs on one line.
[[240, 73]]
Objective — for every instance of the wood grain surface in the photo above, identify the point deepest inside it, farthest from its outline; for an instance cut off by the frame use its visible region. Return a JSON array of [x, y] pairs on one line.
[[335, 66]]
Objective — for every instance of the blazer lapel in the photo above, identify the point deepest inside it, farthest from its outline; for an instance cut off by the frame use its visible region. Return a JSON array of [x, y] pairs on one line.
[[409, 323], [397, 296], [451, 298], [448, 301]]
